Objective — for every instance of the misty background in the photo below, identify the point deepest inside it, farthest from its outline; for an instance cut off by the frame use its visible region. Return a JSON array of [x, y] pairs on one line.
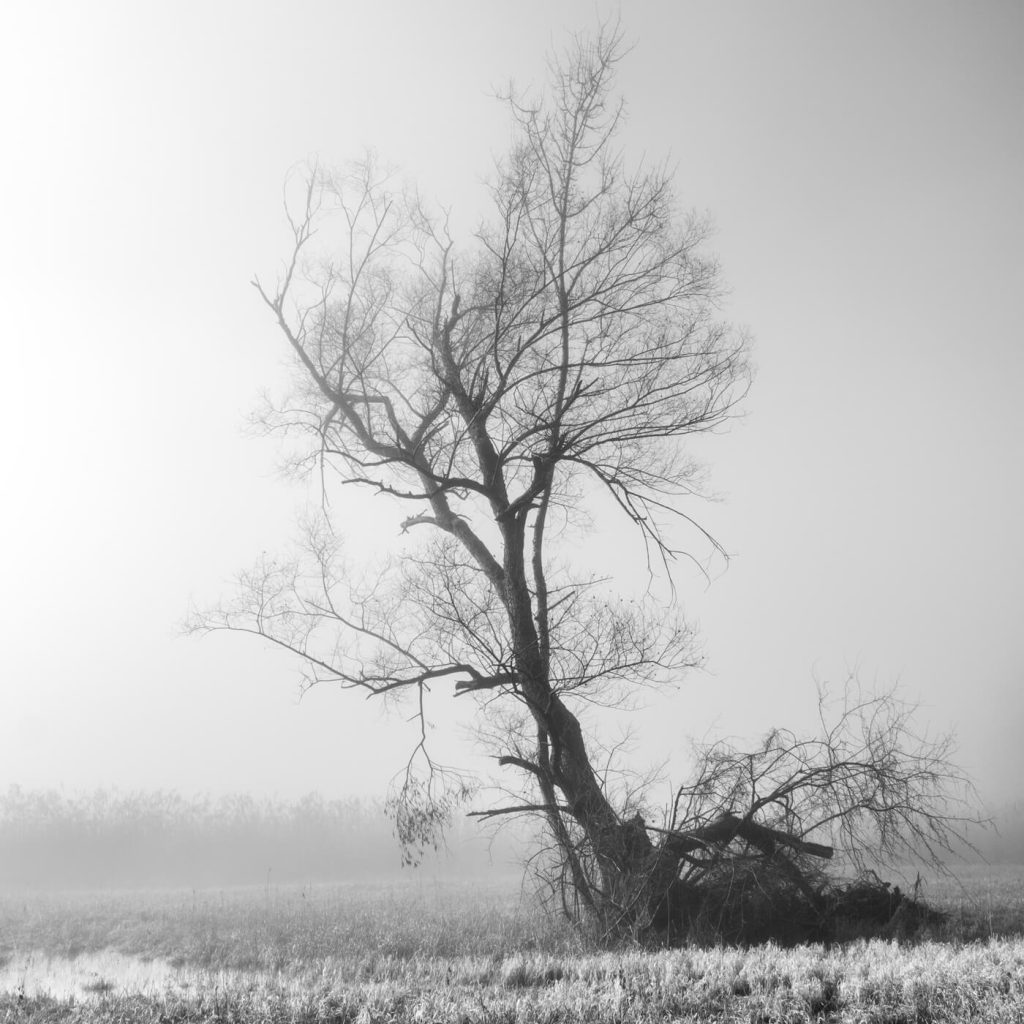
[[862, 164], [158, 838], [145, 839]]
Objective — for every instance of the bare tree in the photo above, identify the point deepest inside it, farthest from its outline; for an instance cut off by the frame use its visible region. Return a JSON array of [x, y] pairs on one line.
[[569, 349]]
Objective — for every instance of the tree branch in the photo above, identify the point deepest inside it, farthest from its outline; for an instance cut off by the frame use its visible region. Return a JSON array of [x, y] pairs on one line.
[[520, 809]]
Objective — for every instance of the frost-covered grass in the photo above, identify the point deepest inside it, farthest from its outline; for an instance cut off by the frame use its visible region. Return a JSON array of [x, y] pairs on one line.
[[873, 981], [273, 928], [425, 953]]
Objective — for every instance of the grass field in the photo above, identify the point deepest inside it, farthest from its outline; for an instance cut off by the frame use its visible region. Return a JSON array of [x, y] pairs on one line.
[[424, 951]]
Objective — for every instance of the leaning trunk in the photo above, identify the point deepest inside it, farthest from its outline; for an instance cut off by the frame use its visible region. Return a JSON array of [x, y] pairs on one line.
[[616, 874], [629, 885]]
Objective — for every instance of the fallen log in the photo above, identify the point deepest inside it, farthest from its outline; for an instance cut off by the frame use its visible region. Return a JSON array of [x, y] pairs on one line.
[[727, 827]]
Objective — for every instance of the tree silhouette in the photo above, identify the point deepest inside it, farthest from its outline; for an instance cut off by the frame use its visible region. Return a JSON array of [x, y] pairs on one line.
[[569, 349]]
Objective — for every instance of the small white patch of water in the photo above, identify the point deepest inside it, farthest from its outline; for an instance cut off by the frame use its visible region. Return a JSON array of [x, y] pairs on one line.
[[89, 976]]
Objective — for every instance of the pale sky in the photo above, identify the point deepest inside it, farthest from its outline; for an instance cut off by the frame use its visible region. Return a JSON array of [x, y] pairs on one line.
[[863, 165]]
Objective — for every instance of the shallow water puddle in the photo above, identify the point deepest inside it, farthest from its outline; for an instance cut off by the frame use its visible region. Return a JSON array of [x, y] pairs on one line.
[[89, 976]]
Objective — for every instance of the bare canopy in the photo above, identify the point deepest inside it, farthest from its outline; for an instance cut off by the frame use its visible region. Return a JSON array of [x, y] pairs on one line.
[[568, 349]]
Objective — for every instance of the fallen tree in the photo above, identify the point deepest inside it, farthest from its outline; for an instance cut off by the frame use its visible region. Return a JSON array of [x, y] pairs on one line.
[[742, 854]]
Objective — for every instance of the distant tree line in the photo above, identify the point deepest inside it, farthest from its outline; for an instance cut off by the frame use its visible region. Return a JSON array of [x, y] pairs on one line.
[[112, 838], [1005, 843], [133, 839]]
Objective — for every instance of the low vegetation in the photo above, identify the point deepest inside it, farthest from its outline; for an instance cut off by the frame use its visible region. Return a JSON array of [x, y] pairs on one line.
[[429, 951]]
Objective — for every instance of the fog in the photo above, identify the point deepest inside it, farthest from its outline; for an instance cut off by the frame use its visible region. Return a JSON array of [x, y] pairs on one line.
[[109, 839], [134, 840], [862, 164]]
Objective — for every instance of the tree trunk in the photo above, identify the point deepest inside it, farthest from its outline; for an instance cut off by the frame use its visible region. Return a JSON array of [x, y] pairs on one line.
[[628, 883], [622, 878]]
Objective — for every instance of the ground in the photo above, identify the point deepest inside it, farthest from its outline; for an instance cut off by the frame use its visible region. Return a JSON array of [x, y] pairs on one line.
[[423, 951]]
